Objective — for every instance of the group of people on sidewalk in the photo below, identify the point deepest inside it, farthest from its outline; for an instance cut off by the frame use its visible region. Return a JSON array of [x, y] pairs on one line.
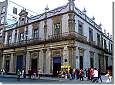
[[92, 74], [32, 74]]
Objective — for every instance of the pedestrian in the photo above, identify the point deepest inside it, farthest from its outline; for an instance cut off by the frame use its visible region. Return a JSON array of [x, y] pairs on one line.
[[39, 72], [91, 73], [99, 75], [76, 73], [81, 74], [18, 74], [88, 74], [29, 73], [109, 75], [70, 73], [95, 75], [23, 72], [2, 72], [34, 74], [85, 73]]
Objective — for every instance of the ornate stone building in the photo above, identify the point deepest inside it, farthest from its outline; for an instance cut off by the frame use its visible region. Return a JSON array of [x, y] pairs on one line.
[[63, 36]]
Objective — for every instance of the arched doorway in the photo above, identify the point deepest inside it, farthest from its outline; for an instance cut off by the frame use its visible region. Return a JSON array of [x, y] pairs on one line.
[[56, 65]]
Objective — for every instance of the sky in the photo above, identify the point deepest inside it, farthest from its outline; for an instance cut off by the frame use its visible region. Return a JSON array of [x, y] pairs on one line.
[[100, 9]]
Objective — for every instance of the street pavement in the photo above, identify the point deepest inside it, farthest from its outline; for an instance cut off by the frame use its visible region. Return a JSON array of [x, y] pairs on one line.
[[9, 79]]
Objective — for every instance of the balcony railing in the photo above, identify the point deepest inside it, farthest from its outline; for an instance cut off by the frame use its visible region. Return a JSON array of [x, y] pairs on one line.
[[51, 38], [55, 38], [68, 35], [23, 43]]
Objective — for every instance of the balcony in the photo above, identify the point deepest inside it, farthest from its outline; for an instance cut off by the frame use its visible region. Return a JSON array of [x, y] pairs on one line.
[[68, 36], [23, 43], [51, 38]]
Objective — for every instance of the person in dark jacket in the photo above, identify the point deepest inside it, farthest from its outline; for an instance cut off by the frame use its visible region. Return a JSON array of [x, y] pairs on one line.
[[99, 75], [71, 70], [81, 74]]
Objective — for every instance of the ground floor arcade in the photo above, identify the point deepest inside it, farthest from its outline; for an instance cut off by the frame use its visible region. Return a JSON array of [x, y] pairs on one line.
[[50, 57]]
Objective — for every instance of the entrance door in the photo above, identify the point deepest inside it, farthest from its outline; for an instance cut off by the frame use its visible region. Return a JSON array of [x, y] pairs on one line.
[[81, 62], [56, 65], [91, 62], [34, 65], [19, 63], [7, 64], [106, 59]]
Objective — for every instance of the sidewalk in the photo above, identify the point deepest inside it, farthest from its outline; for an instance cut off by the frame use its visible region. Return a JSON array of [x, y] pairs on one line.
[[46, 78], [104, 78]]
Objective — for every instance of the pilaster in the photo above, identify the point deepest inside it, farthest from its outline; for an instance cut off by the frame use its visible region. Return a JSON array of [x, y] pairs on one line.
[[65, 56], [41, 60], [72, 56], [48, 60], [11, 63], [28, 61], [3, 61], [44, 60]]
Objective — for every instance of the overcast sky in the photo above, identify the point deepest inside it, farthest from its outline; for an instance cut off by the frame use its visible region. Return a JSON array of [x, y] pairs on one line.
[[100, 9]]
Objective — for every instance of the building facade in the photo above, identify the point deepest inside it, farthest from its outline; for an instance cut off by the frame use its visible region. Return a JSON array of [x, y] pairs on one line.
[[9, 14], [63, 36]]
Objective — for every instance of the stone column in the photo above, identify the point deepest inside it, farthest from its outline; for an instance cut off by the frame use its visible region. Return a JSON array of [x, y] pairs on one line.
[[41, 60], [11, 63], [3, 61], [96, 60], [51, 61], [28, 64], [65, 56], [44, 60], [38, 59], [48, 60], [72, 50], [104, 63], [86, 59], [77, 57]]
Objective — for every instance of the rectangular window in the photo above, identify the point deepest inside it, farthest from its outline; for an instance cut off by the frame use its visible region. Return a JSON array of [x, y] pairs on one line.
[[102, 41], [9, 39], [35, 33], [90, 34], [15, 38], [91, 59], [21, 37], [80, 27], [26, 33], [57, 24], [35, 30], [57, 28], [14, 10], [105, 45], [98, 39]]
